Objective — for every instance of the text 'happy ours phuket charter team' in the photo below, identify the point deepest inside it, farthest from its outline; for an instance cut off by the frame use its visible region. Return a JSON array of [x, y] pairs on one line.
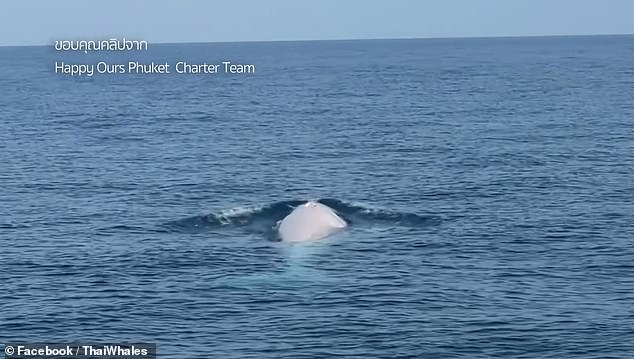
[[135, 67]]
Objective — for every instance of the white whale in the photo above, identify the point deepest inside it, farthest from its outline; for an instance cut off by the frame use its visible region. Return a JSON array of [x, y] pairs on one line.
[[309, 221]]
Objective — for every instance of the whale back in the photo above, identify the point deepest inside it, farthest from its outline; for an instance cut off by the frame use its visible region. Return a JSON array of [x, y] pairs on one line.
[[310, 221]]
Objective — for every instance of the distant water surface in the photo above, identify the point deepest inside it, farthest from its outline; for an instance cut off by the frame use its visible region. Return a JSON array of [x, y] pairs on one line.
[[488, 183]]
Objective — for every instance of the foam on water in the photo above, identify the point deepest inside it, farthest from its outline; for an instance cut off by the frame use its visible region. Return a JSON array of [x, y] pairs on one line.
[[264, 219]]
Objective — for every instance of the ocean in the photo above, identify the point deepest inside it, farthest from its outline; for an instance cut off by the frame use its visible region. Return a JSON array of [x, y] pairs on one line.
[[488, 184]]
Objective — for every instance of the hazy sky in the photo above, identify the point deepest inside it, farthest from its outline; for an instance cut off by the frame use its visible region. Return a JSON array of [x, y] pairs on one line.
[[27, 22]]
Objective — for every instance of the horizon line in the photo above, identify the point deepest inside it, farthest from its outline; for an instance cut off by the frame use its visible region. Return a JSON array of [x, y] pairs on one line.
[[365, 39]]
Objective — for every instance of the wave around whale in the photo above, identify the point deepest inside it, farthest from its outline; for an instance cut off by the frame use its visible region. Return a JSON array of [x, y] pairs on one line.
[[263, 219]]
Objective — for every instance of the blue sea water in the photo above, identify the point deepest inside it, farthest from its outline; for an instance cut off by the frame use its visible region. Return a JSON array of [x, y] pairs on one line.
[[488, 184]]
